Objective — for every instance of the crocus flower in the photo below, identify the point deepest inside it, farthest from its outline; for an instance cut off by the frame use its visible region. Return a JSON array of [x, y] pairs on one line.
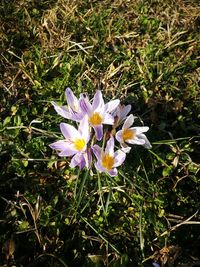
[[82, 160], [120, 114], [99, 113], [73, 111], [108, 160], [75, 143], [132, 135]]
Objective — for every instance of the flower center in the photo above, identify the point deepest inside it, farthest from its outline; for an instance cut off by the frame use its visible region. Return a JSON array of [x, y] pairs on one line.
[[79, 144], [128, 134], [95, 119], [107, 161]]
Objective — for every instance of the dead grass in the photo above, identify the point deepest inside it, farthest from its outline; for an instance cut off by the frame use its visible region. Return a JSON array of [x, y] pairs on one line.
[[144, 52]]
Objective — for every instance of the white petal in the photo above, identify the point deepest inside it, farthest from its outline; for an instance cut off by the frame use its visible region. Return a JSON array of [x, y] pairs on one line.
[[140, 130], [128, 122], [136, 141], [126, 149], [147, 143], [108, 119], [118, 136]]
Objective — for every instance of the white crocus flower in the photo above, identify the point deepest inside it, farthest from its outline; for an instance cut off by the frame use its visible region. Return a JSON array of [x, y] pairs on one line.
[[132, 135]]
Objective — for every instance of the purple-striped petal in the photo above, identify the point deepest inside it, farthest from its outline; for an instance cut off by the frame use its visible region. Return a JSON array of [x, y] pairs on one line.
[[119, 157], [110, 146], [89, 158], [76, 116], [72, 100], [59, 145], [67, 152], [98, 132], [82, 163], [62, 111], [112, 105], [112, 172], [68, 131], [124, 111], [99, 167], [78, 160], [85, 105], [74, 162], [84, 128], [97, 151], [98, 102]]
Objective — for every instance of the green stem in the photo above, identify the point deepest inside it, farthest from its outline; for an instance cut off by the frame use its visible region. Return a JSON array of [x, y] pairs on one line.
[[103, 238], [75, 189], [100, 194], [80, 193], [109, 194]]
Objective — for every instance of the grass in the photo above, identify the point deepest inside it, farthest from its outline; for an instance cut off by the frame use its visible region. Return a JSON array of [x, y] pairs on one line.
[[147, 54]]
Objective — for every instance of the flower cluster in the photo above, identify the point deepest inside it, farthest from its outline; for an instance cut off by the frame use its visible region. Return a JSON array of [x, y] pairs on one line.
[[91, 117]]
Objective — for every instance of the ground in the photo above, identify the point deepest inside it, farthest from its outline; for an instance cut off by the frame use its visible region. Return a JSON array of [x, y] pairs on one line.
[[145, 53]]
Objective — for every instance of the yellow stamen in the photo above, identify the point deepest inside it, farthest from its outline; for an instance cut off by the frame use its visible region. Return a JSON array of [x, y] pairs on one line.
[[95, 119], [128, 134], [79, 144], [107, 161]]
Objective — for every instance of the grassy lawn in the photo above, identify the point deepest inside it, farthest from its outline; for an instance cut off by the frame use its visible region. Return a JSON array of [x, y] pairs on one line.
[[145, 53]]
